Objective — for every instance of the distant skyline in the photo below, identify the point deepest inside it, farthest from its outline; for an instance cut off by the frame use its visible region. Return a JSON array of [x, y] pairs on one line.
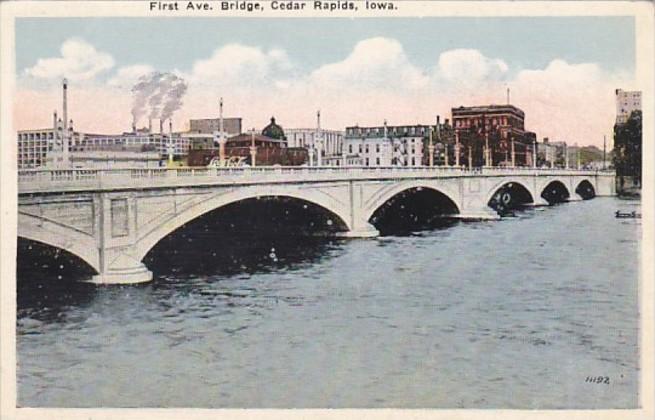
[[562, 71]]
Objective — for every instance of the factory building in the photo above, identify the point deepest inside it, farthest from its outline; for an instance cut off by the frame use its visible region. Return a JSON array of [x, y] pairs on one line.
[[52, 147]]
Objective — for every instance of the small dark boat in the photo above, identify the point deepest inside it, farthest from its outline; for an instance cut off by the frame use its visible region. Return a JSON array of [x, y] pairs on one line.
[[633, 215]]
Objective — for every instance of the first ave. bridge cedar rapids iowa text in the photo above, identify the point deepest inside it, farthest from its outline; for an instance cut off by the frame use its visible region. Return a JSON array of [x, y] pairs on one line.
[[112, 218]]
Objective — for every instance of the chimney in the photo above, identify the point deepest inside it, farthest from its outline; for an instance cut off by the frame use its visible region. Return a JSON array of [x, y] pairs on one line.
[[133, 125], [161, 126], [149, 125]]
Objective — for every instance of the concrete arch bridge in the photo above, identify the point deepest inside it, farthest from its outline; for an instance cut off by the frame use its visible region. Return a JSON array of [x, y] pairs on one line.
[[112, 218]]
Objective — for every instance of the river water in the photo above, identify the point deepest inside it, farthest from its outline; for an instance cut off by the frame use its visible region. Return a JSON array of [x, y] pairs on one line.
[[514, 313]]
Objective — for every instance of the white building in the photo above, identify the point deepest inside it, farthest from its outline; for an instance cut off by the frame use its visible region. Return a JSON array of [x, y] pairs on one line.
[[626, 102], [327, 143], [548, 152], [107, 158], [387, 145]]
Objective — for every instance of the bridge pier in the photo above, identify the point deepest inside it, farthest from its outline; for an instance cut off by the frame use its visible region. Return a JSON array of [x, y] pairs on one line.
[[539, 202], [479, 215], [123, 270], [365, 231]]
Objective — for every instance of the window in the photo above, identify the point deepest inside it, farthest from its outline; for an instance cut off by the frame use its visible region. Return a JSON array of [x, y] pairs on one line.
[[366, 161], [360, 148], [367, 148], [350, 148], [377, 161], [377, 149]]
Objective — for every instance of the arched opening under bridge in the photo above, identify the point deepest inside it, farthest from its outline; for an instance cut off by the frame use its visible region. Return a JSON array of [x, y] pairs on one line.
[[555, 192], [585, 190], [251, 235], [48, 279], [418, 208], [509, 197]]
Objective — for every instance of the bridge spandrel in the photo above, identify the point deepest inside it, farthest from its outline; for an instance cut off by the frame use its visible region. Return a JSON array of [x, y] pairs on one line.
[[117, 216]]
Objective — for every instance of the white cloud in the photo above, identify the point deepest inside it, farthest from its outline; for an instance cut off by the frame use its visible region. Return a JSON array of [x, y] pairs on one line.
[[379, 63], [564, 101], [79, 61], [236, 64], [376, 80], [127, 76], [468, 67]]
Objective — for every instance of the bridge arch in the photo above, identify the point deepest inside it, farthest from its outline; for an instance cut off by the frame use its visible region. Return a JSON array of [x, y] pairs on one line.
[[555, 190], [59, 236], [506, 182], [147, 241], [586, 189], [377, 201]]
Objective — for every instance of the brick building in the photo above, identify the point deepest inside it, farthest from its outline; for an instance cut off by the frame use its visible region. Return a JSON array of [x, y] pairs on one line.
[[492, 135]]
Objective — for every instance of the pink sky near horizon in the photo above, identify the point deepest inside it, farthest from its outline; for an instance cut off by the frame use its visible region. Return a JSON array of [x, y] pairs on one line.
[[573, 102], [95, 110]]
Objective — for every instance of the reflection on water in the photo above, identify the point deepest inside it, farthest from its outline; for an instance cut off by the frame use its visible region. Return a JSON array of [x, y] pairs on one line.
[[466, 315]]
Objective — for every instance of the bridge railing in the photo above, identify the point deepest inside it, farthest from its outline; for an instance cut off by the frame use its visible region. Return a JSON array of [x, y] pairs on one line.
[[39, 180]]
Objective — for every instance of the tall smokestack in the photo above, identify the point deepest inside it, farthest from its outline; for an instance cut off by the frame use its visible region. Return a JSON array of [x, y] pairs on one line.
[[133, 125], [149, 125], [65, 111], [161, 126]]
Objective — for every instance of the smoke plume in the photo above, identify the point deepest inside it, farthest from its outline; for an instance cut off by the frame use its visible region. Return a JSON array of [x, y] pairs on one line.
[[157, 95]]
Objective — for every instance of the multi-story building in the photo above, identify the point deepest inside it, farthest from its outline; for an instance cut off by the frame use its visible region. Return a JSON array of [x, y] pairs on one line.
[[547, 153], [106, 157], [387, 145], [34, 145], [325, 146], [626, 102], [492, 135], [231, 126]]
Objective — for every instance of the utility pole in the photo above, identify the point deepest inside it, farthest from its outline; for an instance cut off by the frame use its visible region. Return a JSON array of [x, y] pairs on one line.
[[457, 148], [66, 133], [318, 142], [486, 141], [253, 149], [604, 151], [431, 150], [221, 140], [513, 154], [470, 157], [534, 153]]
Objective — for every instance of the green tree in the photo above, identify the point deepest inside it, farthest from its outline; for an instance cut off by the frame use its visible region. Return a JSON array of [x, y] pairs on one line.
[[627, 147]]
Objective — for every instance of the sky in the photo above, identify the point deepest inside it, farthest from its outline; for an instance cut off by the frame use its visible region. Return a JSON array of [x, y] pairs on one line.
[[562, 71]]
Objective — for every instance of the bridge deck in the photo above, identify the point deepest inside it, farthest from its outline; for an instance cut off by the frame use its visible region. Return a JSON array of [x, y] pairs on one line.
[[63, 180]]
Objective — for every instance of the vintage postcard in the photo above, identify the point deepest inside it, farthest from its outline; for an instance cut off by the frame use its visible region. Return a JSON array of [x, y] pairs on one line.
[[296, 209]]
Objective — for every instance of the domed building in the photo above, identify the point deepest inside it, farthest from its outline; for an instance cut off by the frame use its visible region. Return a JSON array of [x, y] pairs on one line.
[[274, 131]]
